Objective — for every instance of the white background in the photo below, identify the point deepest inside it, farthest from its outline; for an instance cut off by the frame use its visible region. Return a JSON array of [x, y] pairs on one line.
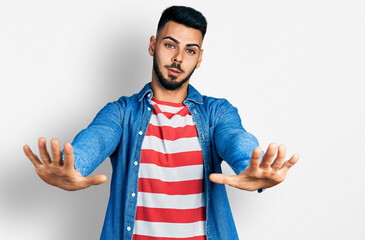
[[294, 69]]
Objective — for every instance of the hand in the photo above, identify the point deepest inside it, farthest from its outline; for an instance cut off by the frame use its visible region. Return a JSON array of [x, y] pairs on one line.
[[264, 175], [60, 173]]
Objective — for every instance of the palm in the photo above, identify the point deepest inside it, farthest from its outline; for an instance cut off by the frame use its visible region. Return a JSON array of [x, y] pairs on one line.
[[60, 173], [69, 180], [258, 175]]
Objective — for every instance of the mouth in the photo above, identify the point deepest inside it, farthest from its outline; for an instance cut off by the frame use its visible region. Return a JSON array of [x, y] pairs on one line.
[[174, 72]]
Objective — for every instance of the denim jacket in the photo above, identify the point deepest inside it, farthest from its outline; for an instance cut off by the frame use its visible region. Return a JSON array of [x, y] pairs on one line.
[[118, 130]]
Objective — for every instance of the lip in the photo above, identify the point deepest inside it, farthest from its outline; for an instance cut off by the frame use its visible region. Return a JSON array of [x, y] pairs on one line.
[[174, 72]]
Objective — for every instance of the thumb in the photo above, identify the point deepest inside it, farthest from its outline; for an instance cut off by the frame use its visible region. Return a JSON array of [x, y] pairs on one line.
[[220, 178], [96, 179]]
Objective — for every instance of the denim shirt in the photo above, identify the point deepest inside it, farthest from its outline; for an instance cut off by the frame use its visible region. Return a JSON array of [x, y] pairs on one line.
[[118, 130]]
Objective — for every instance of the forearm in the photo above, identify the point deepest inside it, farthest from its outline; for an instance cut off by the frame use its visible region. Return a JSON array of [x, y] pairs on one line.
[[238, 150], [233, 143], [99, 140]]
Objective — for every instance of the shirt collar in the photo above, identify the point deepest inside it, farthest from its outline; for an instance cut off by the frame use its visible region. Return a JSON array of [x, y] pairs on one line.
[[193, 94]]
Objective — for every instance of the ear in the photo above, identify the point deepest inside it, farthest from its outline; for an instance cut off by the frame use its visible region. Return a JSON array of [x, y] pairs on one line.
[[200, 58], [152, 45]]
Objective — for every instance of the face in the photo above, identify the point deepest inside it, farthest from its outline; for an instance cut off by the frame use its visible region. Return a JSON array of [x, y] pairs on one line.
[[176, 54]]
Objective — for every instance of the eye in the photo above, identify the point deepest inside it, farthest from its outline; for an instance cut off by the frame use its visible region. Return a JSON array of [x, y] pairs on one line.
[[168, 45], [190, 51]]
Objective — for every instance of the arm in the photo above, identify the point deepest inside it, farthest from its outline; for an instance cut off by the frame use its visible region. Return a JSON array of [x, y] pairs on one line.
[[240, 150], [99, 140]]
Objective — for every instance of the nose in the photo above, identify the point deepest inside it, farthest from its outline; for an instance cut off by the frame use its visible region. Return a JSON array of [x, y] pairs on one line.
[[178, 57]]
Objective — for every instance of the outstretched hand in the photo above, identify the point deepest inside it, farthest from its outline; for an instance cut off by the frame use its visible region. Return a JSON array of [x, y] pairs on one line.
[[60, 173], [265, 175]]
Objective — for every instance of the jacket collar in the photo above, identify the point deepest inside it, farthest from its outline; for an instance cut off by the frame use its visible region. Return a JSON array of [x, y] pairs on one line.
[[146, 91], [193, 94]]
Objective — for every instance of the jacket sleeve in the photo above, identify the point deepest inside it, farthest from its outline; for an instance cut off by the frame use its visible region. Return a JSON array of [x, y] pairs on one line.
[[233, 143], [99, 140]]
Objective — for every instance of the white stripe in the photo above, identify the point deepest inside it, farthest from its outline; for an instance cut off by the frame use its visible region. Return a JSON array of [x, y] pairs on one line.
[[167, 146], [176, 121], [171, 174], [169, 109], [157, 229], [156, 200]]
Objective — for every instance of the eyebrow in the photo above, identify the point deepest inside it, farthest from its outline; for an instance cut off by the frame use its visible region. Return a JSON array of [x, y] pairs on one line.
[[192, 45], [177, 42]]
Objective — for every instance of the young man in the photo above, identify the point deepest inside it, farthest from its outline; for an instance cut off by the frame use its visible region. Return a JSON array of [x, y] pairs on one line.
[[166, 144]]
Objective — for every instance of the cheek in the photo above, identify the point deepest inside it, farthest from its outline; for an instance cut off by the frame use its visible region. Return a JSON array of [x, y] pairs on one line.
[[191, 63], [164, 54], [161, 59]]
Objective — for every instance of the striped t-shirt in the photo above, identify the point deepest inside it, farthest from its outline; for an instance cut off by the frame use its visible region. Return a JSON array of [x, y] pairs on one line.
[[170, 200]]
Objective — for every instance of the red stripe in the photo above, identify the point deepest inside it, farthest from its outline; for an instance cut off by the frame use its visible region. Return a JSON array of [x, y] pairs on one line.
[[171, 133], [143, 237], [183, 112], [172, 160], [168, 215], [170, 188], [171, 104]]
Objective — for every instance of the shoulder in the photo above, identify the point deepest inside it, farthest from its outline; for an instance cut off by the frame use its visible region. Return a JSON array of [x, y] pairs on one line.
[[136, 99], [119, 107], [216, 109], [216, 105], [126, 101]]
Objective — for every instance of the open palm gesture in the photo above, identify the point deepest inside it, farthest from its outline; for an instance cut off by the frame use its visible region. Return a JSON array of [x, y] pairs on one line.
[[258, 175], [60, 173]]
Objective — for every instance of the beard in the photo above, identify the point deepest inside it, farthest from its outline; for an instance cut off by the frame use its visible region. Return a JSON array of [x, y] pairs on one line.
[[170, 84]]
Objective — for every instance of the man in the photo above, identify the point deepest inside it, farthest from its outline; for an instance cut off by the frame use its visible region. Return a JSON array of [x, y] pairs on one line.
[[166, 144]]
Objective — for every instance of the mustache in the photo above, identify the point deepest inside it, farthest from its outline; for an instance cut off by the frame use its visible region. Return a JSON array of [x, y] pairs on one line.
[[175, 65]]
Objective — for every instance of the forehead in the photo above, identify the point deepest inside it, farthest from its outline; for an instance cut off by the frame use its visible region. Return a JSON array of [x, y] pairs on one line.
[[181, 33]]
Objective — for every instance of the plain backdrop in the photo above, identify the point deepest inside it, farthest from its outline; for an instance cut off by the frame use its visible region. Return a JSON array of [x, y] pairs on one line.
[[294, 69]]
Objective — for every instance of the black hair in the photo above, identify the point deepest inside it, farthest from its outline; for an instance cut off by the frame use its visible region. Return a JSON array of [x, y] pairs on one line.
[[183, 15]]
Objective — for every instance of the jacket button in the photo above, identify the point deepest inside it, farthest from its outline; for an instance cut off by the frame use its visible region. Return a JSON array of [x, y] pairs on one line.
[[140, 132], [133, 194], [149, 109], [135, 163], [129, 228]]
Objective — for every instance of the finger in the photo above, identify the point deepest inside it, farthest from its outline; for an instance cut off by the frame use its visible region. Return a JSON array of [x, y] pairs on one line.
[[288, 164], [56, 152], [32, 157], [255, 158], [42, 146], [69, 156], [280, 158], [93, 180], [220, 178], [96, 180], [269, 155]]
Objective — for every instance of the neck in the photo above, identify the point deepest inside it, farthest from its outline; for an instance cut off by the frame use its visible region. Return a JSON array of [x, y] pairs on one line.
[[162, 94]]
